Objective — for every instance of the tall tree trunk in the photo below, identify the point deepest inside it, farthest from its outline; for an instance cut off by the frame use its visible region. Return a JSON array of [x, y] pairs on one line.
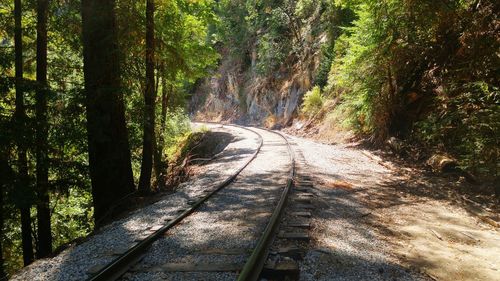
[[165, 95], [6, 177], [20, 116], [3, 276], [157, 81], [109, 152], [149, 101], [26, 236], [42, 165], [159, 164]]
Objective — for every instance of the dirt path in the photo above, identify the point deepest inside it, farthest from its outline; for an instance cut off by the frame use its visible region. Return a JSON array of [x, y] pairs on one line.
[[375, 222], [445, 238]]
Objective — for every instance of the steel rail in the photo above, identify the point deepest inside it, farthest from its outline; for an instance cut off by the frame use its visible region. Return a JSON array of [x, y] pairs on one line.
[[254, 265], [122, 264]]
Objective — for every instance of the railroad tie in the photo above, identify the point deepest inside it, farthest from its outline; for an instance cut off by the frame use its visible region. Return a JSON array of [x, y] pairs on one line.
[[294, 235], [190, 267]]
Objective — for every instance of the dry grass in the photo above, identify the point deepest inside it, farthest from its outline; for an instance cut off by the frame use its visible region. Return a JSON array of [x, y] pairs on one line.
[[270, 121], [337, 184]]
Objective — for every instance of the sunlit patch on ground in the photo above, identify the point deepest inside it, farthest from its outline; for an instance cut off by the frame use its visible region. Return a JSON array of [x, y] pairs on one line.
[[336, 184]]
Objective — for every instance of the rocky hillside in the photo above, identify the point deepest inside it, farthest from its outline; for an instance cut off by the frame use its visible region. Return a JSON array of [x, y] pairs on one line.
[[265, 82], [237, 93]]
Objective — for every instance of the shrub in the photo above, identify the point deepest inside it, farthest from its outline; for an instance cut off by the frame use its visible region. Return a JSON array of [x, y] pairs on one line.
[[468, 126], [313, 101]]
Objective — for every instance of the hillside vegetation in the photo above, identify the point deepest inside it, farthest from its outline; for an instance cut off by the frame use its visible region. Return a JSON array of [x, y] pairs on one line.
[[423, 72]]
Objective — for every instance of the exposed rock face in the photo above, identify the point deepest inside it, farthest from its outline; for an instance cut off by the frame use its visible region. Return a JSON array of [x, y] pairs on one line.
[[218, 98], [292, 102], [242, 96], [237, 92]]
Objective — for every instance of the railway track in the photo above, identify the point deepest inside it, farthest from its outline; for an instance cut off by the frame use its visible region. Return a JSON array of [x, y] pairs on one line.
[[256, 260]]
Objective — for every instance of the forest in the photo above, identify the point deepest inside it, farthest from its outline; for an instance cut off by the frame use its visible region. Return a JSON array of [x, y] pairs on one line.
[[423, 73], [96, 95], [80, 82]]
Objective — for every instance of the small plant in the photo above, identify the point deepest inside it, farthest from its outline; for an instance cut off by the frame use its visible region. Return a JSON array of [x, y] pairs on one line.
[[271, 121], [312, 102]]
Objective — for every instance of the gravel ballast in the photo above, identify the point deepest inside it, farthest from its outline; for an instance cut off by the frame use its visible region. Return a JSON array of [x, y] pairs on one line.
[[77, 262], [233, 219], [364, 226]]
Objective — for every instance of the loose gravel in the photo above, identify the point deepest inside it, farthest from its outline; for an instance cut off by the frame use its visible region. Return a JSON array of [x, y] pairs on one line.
[[77, 262], [344, 247], [233, 219]]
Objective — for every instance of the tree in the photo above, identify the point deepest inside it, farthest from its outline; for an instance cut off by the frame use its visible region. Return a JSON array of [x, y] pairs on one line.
[[161, 166], [42, 171], [20, 118], [6, 175], [46, 147], [109, 154], [149, 102]]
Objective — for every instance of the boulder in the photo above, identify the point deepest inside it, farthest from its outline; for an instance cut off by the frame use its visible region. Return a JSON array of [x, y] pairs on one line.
[[442, 163], [396, 145]]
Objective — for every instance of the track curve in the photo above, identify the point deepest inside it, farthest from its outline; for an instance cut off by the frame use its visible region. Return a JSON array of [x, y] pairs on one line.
[[120, 265], [254, 264], [253, 267]]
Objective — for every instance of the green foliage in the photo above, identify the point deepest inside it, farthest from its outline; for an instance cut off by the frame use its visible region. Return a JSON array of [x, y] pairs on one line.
[[184, 54], [183, 144], [178, 127], [321, 75], [233, 29], [467, 125], [313, 101], [185, 45], [71, 216], [305, 8], [424, 70], [275, 44], [261, 26], [271, 53]]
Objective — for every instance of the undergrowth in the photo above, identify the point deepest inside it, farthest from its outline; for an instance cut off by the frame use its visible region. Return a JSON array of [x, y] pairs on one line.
[[312, 102], [421, 72]]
